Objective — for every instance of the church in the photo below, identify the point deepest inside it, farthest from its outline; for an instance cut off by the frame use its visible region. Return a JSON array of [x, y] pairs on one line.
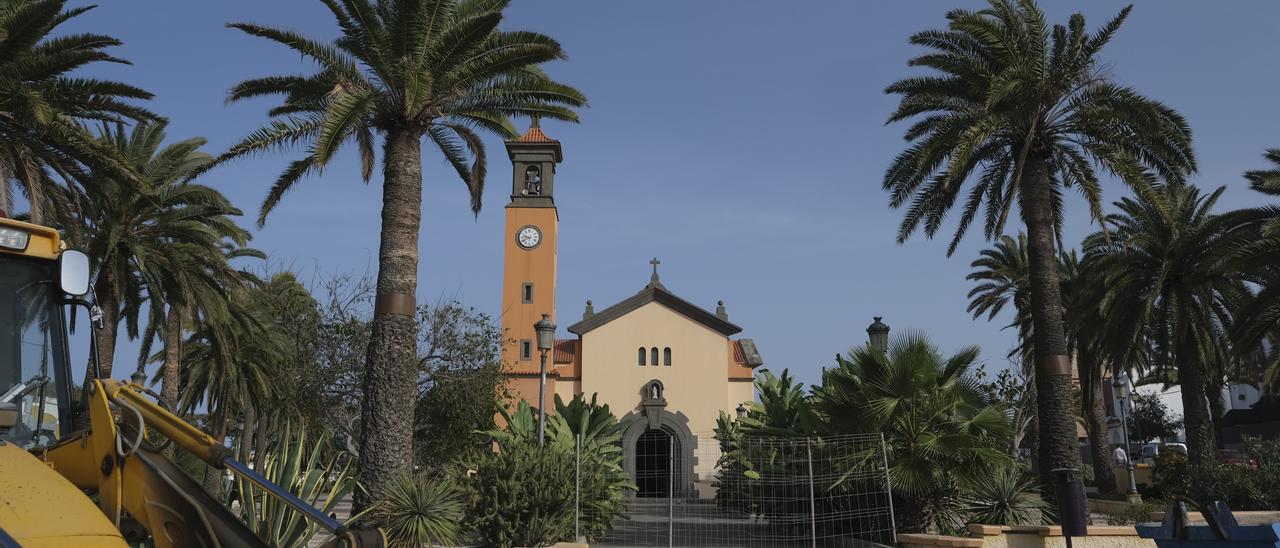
[[666, 366]]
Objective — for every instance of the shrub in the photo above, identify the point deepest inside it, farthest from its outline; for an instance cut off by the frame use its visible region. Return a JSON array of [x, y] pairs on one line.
[[1169, 475], [1135, 513], [522, 496], [940, 433], [1241, 486], [603, 481], [1009, 497], [417, 510]]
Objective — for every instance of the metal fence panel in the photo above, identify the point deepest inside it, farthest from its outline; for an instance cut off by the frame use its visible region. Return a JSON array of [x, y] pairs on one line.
[[761, 491]]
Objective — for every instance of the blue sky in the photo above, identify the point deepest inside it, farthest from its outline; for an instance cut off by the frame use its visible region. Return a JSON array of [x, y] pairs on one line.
[[742, 142]]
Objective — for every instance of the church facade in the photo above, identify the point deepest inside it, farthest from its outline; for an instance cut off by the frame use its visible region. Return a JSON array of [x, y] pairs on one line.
[[664, 365]]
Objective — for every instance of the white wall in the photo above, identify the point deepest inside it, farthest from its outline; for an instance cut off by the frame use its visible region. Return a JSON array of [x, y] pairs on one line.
[[696, 382], [1172, 399]]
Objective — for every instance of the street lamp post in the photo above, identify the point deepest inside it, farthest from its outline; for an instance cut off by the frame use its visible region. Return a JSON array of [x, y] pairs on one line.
[[1121, 385], [546, 331]]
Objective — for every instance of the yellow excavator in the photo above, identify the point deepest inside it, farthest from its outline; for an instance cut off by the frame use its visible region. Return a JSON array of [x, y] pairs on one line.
[[89, 473]]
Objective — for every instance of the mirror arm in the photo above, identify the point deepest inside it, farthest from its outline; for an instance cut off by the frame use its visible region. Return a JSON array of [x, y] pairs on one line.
[[95, 323]]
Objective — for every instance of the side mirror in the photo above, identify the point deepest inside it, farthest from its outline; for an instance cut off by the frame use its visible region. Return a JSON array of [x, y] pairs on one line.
[[73, 272]]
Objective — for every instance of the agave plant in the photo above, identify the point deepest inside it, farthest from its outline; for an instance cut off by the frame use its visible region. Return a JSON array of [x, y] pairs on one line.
[[1010, 496], [305, 466], [416, 510]]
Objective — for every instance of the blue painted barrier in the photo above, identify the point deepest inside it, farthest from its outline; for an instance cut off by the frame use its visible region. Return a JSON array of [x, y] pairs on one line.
[[1220, 530]]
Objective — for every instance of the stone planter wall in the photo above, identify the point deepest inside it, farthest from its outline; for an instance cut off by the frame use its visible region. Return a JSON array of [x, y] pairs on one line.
[[1047, 536], [1050, 536]]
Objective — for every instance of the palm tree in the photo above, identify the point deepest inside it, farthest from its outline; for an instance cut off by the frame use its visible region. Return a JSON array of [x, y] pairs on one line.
[[1087, 336], [190, 272], [229, 363], [293, 314], [1165, 269], [403, 69], [1025, 111], [186, 284], [1267, 181], [1001, 274], [1258, 330], [42, 105], [152, 232], [940, 434]]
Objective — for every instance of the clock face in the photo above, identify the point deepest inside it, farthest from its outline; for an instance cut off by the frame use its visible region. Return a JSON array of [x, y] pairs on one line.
[[528, 237]]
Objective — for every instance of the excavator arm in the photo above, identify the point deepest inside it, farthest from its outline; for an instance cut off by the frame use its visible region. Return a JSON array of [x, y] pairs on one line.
[[137, 484]]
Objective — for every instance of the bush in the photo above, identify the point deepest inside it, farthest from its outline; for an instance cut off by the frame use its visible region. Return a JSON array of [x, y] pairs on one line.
[[417, 510], [1134, 514], [522, 496], [592, 425], [1241, 486], [1169, 475], [1010, 497], [940, 432]]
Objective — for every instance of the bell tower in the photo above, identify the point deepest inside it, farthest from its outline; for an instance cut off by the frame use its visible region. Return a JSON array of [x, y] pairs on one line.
[[529, 257]]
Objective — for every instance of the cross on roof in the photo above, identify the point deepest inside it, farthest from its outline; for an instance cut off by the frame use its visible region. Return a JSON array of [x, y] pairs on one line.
[[655, 262]]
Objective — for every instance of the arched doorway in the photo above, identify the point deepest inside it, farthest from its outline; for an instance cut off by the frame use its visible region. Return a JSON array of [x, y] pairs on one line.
[[653, 464]]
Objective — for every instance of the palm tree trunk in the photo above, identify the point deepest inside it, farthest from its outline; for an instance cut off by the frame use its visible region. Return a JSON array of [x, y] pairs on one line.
[[386, 433], [1216, 411], [1058, 445], [170, 377], [105, 337], [260, 443], [1032, 435], [213, 476], [6, 189], [1099, 443], [1195, 408], [246, 435]]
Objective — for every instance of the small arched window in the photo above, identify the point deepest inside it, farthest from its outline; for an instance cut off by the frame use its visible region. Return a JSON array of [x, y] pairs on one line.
[[640, 361], [654, 355], [666, 356]]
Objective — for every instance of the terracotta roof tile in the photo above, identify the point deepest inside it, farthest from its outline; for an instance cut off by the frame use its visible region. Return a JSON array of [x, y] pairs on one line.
[[529, 368], [745, 353], [566, 350], [534, 135]]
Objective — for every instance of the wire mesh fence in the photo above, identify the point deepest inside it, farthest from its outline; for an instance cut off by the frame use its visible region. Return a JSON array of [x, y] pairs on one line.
[[755, 491]]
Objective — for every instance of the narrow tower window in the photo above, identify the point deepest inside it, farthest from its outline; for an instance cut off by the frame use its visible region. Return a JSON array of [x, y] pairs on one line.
[[666, 356], [527, 293], [526, 349], [640, 360], [654, 355]]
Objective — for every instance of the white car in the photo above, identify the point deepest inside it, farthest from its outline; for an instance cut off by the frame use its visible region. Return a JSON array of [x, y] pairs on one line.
[[1150, 450]]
